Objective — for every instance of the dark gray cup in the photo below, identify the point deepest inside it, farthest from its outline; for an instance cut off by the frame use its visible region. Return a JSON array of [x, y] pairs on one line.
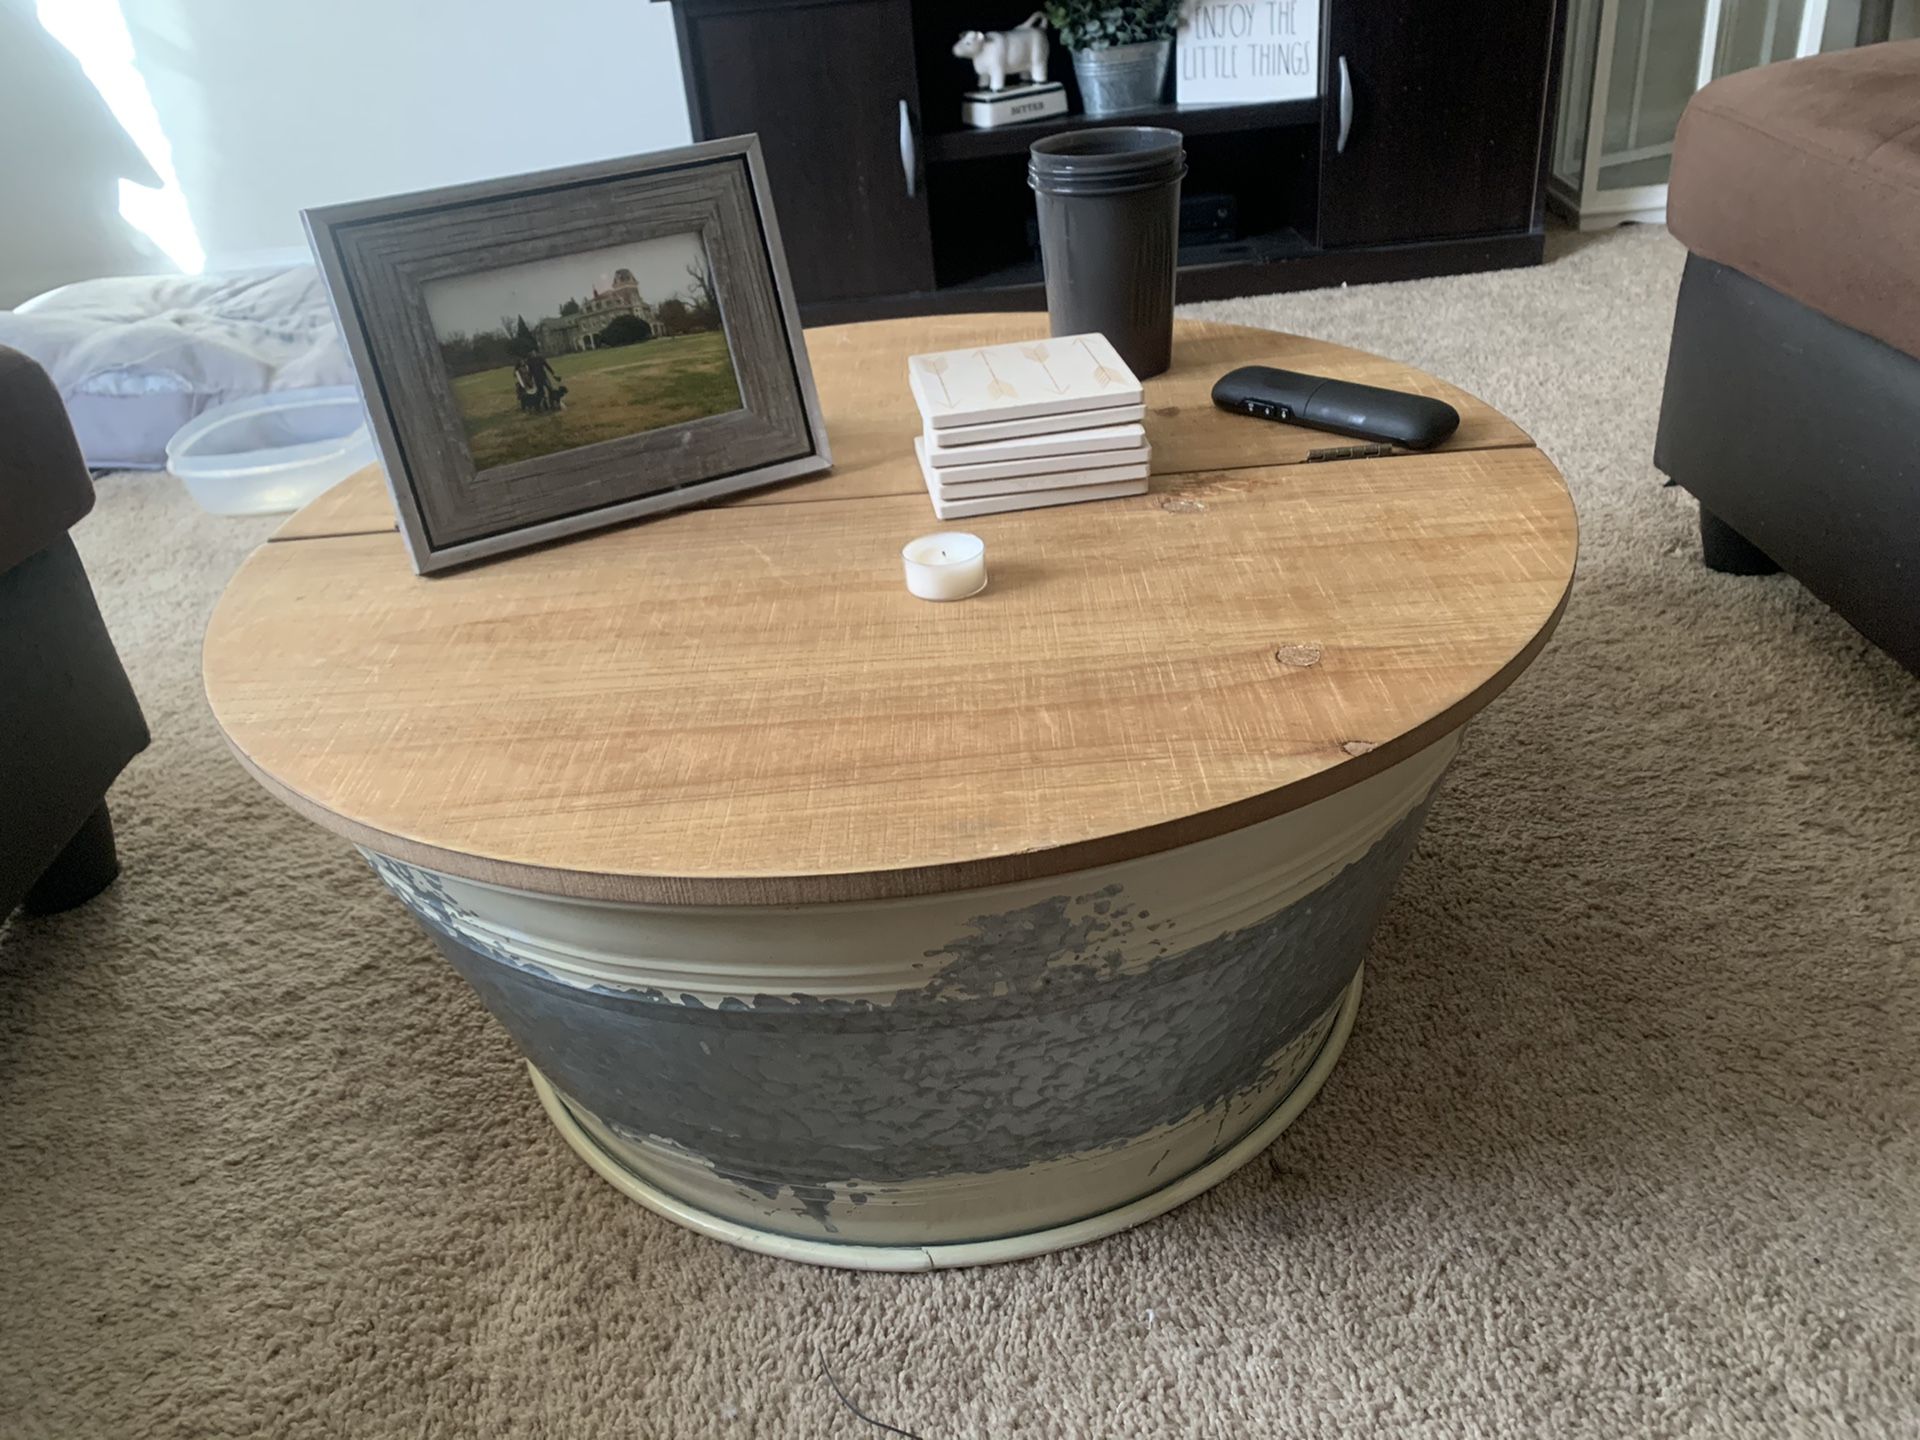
[[1109, 203]]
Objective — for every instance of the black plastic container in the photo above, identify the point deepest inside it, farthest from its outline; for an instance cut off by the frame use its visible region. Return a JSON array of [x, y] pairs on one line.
[[1109, 210]]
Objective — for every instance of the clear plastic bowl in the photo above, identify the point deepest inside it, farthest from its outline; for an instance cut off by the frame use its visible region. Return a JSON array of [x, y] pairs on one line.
[[272, 452]]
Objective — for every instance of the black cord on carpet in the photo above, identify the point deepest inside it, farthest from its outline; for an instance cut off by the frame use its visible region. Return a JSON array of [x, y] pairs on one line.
[[827, 1371]]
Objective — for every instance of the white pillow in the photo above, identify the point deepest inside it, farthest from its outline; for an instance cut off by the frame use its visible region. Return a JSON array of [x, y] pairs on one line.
[[137, 357]]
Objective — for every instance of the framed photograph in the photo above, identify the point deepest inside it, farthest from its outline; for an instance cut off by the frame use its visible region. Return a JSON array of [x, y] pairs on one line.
[[561, 351]]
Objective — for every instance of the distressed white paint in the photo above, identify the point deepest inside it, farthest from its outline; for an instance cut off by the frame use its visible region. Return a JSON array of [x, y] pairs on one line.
[[939, 1211], [866, 951], [929, 1254], [873, 953]]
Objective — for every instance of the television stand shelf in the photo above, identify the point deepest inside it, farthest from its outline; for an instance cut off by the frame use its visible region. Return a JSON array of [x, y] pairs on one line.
[[1190, 120], [887, 206]]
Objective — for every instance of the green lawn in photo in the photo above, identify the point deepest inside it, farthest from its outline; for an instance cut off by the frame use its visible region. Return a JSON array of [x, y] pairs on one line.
[[610, 393]]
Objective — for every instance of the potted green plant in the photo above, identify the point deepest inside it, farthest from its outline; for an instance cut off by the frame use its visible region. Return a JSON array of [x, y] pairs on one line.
[[1120, 52]]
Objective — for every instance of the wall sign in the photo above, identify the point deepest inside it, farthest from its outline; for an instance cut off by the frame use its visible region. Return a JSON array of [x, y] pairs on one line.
[[1234, 51]]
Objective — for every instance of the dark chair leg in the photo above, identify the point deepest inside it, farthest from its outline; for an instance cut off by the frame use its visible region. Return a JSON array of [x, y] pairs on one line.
[[1725, 549], [81, 871]]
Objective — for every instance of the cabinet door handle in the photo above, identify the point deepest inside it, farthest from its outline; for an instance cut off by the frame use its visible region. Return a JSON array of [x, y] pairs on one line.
[[1346, 108], [909, 152]]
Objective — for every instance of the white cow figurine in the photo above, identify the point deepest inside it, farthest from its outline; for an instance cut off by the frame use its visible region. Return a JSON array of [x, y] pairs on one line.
[[996, 54]]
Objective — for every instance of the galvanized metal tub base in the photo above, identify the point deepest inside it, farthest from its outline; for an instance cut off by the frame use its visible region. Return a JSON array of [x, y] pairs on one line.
[[595, 1143], [945, 1079]]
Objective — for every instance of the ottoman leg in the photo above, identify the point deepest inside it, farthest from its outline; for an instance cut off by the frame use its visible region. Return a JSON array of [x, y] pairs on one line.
[[81, 871], [1725, 549]]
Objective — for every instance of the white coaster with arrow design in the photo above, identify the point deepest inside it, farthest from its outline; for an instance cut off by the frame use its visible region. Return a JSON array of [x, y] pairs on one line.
[[1023, 380], [1049, 443]]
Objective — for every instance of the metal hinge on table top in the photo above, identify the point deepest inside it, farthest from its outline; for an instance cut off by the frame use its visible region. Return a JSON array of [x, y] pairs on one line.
[[1351, 452]]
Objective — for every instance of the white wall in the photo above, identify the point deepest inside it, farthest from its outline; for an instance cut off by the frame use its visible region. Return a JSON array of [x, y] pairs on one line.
[[277, 104], [272, 105]]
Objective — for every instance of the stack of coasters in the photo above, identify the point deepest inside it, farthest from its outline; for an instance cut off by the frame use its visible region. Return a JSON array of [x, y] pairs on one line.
[[1040, 422]]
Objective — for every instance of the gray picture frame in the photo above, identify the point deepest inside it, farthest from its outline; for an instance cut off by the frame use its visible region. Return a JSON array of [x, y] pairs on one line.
[[378, 256]]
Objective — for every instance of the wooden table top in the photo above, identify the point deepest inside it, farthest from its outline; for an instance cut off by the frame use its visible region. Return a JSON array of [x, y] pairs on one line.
[[743, 704]]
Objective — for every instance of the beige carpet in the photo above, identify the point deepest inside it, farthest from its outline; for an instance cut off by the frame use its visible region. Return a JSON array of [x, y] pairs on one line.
[[1624, 1143]]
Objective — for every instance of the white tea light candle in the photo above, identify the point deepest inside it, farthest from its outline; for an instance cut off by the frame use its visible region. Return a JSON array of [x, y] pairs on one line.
[[948, 566]]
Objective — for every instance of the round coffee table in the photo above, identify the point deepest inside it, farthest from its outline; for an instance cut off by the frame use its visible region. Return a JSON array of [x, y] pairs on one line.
[[887, 934]]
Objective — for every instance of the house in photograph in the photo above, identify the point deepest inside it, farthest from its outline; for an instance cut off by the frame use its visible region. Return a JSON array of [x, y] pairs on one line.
[[580, 329]]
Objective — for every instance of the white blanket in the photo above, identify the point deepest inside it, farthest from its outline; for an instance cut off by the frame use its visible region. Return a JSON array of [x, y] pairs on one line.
[[136, 358]]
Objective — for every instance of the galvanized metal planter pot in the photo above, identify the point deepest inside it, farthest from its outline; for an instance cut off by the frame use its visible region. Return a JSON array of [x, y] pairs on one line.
[[1118, 78], [947, 1079]]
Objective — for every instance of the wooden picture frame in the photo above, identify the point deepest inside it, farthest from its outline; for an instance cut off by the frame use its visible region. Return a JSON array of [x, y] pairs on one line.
[[391, 264]]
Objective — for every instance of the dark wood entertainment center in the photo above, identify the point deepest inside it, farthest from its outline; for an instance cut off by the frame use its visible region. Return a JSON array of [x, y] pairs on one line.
[[889, 206]]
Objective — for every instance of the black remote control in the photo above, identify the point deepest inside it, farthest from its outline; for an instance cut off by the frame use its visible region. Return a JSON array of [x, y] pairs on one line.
[[1363, 411]]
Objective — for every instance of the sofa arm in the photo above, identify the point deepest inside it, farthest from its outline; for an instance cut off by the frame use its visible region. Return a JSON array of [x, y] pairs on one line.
[[44, 485]]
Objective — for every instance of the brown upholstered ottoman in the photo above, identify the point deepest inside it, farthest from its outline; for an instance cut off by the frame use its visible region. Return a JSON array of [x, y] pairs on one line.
[[1792, 406]]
